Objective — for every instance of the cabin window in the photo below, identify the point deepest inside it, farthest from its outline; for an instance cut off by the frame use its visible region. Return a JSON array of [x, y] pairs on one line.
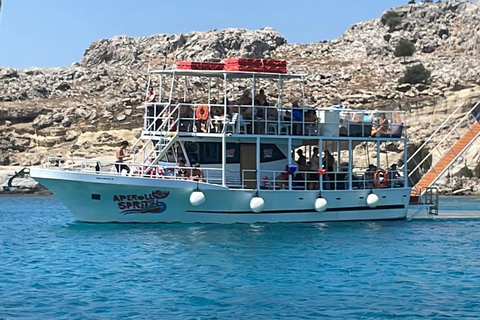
[[210, 152]]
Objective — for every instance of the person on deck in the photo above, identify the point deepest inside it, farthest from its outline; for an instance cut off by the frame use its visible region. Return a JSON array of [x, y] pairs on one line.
[[150, 104], [181, 171], [368, 177], [122, 156], [197, 173], [245, 103], [328, 161], [394, 178], [302, 160], [262, 98], [245, 99], [314, 166]]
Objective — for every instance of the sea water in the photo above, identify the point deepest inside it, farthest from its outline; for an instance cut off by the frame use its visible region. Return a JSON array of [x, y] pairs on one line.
[[52, 267]]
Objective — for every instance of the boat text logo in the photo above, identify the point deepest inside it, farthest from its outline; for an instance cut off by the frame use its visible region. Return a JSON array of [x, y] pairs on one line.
[[142, 203]]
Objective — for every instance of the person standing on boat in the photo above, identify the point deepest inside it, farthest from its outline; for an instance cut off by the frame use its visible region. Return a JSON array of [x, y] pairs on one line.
[[122, 156], [302, 164], [150, 103], [328, 163], [302, 160], [314, 166]]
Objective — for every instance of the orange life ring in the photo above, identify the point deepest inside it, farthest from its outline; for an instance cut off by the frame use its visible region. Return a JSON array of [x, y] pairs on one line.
[[202, 112], [380, 174]]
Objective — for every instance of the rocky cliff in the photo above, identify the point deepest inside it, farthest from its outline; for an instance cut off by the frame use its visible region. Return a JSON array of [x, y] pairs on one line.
[[87, 108]]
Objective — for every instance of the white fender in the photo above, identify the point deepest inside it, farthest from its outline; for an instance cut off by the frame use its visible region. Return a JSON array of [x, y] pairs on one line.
[[197, 198], [372, 200], [257, 204], [321, 204]]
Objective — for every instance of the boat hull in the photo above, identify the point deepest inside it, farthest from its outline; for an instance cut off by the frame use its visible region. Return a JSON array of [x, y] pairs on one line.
[[105, 198]]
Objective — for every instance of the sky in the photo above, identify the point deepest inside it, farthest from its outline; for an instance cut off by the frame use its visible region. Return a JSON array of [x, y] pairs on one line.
[[55, 33]]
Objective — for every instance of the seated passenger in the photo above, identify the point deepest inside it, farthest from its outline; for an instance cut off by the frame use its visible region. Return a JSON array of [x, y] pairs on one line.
[[310, 117], [396, 127], [245, 99], [197, 174], [272, 113], [186, 117], [218, 117], [368, 176], [181, 171], [297, 112], [382, 125], [262, 99], [394, 177]]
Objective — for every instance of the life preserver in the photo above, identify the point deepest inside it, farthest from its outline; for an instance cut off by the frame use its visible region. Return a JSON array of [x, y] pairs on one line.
[[380, 178], [202, 112]]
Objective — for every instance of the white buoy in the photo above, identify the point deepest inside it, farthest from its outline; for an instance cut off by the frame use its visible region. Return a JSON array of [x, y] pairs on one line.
[[257, 204], [197, 198], [372, 200], [321, 204]]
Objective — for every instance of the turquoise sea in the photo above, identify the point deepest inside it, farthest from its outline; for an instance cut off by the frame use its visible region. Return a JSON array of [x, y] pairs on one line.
[[52, 267]]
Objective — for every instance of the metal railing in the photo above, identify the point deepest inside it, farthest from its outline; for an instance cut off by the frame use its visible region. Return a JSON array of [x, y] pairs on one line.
[[270, 179], [446, 143], [251, 119], [312, 180], [138, 170]]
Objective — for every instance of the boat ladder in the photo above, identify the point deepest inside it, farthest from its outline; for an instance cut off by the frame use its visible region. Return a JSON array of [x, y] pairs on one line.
[[447, 148], [426, 202], [156, 144]]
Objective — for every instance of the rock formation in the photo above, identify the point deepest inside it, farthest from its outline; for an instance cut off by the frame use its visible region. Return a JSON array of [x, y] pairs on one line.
[[87, 108]]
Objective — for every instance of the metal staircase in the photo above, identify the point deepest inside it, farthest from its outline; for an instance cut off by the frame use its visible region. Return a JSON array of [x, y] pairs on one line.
[[447, 150], [157, 141]]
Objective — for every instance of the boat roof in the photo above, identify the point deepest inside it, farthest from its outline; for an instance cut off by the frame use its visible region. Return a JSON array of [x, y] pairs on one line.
[[229, 74]]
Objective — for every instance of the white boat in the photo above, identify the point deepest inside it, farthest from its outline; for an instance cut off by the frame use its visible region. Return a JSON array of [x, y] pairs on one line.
[[248, 171]]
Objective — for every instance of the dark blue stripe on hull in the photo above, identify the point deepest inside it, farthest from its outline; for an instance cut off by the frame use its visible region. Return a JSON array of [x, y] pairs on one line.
[[397, 206]]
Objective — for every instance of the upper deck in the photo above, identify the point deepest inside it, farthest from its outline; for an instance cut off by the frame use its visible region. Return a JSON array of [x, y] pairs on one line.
[[224, 110]]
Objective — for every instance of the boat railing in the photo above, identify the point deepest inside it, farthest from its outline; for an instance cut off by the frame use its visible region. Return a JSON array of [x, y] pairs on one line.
[[276, 120], [270, 179], [321, 180], [142, 170]]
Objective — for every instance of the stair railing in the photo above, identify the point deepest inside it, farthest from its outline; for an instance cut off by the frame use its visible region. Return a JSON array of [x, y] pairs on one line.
[[444, 123], [449, 148], [158, 136]]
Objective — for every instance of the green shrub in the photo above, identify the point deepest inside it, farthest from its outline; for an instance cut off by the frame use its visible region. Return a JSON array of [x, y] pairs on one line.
[[415, 74], [404, 49], [391, 19], [427, 164], [466, 172], [477, 170]]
